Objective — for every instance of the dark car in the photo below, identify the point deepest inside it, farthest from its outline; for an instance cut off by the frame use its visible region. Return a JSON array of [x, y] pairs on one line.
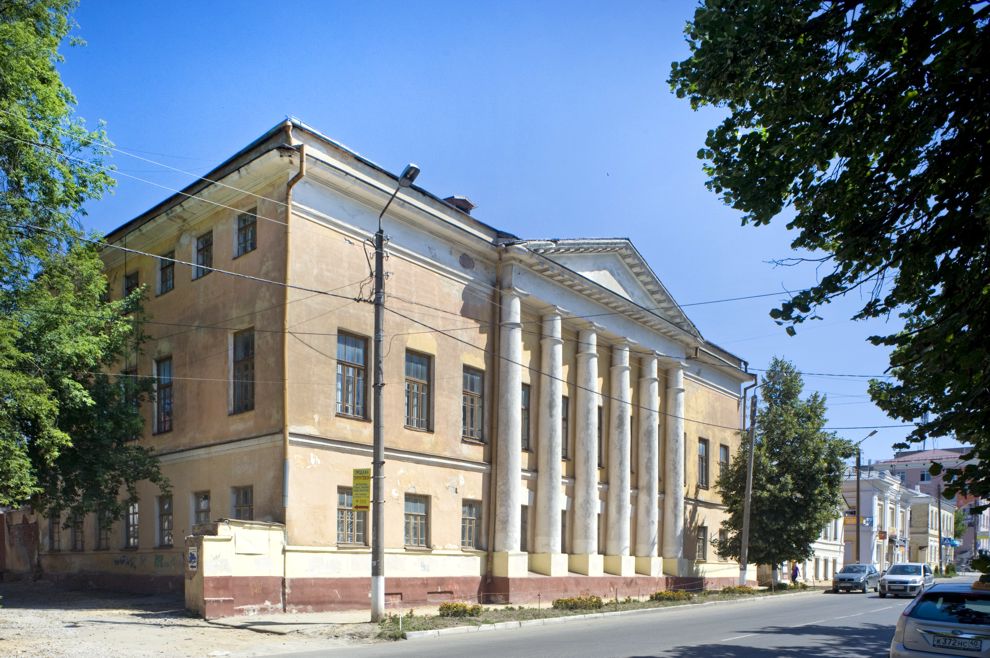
[[856, 576], [947, 619]]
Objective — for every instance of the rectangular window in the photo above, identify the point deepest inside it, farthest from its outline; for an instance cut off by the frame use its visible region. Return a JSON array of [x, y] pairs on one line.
[[163, 395], [247, 232], [131, 526], [723, 459], [565, 424], [76, 533], [525, 416], [417, 521], [723, 536], [524, 528], [243, 502], [473, 405], [55, 534], [201, 507], [701, 550], [131, 283], [103, 525], [418, 391], [470, 524], [166, 272], [563, 531], [164, 520], [352, 364], [351, 523], [128, 382], [243, 373], [204, 255], [601, 441], [703, 463]]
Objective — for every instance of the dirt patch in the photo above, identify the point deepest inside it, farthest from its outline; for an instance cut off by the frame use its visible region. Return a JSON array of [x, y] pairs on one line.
[[39, 619]]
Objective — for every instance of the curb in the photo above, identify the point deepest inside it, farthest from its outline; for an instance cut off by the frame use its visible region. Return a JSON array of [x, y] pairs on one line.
[[504, 625]]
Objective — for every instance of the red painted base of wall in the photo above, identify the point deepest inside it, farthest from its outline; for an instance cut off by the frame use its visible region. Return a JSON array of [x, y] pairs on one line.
[[318, 594]]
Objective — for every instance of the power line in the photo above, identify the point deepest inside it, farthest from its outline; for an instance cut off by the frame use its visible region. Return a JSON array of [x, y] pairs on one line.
[[111, 170], [256, 279]]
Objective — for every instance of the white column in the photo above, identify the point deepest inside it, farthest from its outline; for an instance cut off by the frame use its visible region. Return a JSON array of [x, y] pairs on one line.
[[508, 484], [548, 559], [584, 556], [673, 490], [617, 558], [648, 470]]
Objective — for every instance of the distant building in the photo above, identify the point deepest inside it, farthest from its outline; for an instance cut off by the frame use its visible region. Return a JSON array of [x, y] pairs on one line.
[[931, 527], [912, 467], [885, 512]]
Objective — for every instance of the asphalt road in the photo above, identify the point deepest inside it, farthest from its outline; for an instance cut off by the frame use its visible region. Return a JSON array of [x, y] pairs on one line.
[[787, 626]]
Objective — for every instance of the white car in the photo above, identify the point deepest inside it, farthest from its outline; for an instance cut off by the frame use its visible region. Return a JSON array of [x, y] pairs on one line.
[[906, 579], [948, 619]]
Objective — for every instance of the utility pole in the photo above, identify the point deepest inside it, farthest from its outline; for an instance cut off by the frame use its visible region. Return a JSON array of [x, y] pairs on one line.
[[744, 541], [409, 174], [859, 515], [941, 566]]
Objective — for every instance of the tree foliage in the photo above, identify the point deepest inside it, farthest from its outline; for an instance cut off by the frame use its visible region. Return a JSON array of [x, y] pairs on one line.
[[64, 427], [797, 475], [869, 122]]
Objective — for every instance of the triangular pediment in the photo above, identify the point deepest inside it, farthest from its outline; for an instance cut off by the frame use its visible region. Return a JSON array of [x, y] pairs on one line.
[[616, 265]]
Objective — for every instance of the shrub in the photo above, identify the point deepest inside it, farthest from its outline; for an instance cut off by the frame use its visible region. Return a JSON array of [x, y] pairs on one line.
[[459, 610], [738, 589], [671, 595], [578, 603], [950, 569]]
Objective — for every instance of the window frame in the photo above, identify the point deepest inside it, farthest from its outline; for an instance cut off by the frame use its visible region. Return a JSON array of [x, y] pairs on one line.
[[132, 281], [418, 394], [416, 523], [471, 526], [164, 397], [166, 521], [77, 540], [55, 534], [359, 378], [246, 232], [346, 514], [204, 255], [525, 408], [473, 405], [238, 504], [166, 273], [242, 374], [132, 527], [104, 526], [704, 456], [565, 427], [723, 464], [198, 509], [701, 545]]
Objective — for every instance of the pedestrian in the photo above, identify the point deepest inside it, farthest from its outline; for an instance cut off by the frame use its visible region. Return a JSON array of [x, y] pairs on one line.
[[794, 574]]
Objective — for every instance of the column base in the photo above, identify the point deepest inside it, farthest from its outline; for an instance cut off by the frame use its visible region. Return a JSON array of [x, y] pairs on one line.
[[510, 565], [620, 565], [548, 564], [649, 566], [587, 564], [677, 566]]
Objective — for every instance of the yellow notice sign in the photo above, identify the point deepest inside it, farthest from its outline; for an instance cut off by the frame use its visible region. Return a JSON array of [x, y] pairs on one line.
[[361, 489]]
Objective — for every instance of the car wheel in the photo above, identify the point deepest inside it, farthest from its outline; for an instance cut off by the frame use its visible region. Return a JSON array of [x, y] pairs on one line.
[[864, 588], [883, 595], [835, 590]]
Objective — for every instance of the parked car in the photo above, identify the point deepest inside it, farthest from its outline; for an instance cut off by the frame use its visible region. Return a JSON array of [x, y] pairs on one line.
[[947, 619], [906, 578], [856, 576]]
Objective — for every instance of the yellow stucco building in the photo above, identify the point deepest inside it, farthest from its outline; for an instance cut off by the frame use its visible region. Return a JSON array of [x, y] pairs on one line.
[[554, 422]]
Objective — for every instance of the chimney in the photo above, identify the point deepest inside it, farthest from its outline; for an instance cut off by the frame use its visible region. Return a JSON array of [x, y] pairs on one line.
[[462, 203]]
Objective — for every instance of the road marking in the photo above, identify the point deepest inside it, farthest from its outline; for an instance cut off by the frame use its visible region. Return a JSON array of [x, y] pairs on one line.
[[738, 637], [808, 623]]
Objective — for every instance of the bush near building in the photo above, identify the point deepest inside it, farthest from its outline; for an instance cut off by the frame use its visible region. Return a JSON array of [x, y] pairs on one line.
[[578, 603]]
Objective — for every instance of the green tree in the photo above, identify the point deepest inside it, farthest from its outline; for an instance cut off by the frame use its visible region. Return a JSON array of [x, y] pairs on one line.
[[64, 427], [959, 524], [797, 474], [867, 124]]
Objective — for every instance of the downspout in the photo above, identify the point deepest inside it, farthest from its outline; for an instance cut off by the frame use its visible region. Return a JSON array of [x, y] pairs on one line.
[[285, 357], [493, 417]]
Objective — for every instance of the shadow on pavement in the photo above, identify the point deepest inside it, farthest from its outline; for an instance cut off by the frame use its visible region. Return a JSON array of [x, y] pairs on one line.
[[790, 642]]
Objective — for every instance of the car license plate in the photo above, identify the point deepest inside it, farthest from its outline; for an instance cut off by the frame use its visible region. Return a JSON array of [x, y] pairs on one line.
[[958, 643], [897, 587]]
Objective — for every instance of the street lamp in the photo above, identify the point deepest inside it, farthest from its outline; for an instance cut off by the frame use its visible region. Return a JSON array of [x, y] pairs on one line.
[[859, 516], [406, 179]]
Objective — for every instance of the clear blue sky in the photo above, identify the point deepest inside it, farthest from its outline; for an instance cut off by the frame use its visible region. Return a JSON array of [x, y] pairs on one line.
[[554, 118]]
